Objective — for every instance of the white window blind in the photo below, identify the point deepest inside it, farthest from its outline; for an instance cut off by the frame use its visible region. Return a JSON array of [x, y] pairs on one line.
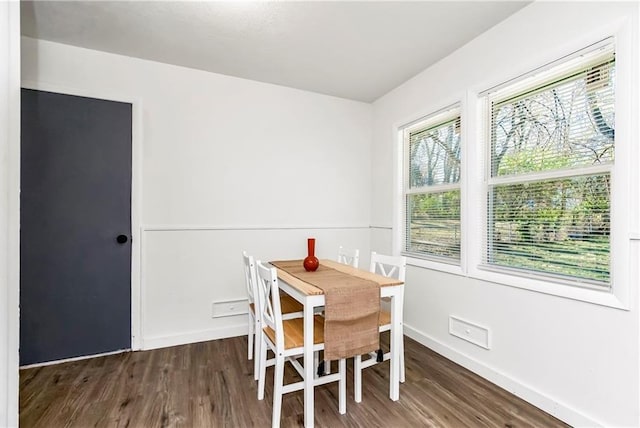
[[550, 160], [432, 187]]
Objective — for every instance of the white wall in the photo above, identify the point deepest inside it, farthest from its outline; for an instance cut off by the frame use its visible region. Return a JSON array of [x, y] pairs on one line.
[[226, 164], [9, 209], [576, 360]]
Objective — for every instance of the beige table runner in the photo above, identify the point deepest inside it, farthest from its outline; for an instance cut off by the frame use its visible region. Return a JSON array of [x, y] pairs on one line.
[[352, 309]]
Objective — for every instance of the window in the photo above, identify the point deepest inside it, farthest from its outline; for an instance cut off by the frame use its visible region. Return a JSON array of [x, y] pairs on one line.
[[550, 158], [533, 182], [432, 187]]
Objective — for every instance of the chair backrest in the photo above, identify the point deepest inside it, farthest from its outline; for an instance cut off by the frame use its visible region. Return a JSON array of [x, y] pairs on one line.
[[348, 257], [250, 278], [389, 266], [269, 298]]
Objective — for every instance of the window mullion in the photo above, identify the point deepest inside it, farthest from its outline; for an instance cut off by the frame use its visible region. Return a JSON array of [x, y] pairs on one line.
[[549, 175], [438, 188]]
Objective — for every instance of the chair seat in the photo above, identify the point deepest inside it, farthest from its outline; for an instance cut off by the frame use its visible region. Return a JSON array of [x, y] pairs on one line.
[[294, 332], [289, 305], [385, 318]]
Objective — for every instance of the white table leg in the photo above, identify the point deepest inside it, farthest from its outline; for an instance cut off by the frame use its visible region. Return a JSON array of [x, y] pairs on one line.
[[357, 378], [396, 331], [308, 365], [342, 386]]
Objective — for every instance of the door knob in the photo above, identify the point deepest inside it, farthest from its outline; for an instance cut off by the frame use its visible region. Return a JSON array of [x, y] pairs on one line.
[[121, 239]]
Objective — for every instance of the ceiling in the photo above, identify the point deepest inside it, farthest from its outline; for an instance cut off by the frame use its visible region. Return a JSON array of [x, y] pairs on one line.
[[356, 50]]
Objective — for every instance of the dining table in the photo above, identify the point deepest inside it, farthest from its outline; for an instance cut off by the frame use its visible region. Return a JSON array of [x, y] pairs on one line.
[[312, 298]]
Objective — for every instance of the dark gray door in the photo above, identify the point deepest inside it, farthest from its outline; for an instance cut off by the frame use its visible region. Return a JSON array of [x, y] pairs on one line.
[[75, 275]]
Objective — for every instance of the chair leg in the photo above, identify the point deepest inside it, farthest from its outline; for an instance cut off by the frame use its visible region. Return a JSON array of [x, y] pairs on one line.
[[263, 370], [342, 386], [324, 365], [250, 338], [277, 391], [401, 359], [357, 378], [258, 349]]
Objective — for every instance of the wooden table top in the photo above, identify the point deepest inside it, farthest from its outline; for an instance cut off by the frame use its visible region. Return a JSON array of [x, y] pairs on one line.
[[311, 290]]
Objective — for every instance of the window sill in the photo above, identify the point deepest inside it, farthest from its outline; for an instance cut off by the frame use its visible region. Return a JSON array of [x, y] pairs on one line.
[[455, 269], [598, 297]]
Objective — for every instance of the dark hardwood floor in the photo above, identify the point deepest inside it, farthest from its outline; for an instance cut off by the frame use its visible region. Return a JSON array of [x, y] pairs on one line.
[[211, 384]]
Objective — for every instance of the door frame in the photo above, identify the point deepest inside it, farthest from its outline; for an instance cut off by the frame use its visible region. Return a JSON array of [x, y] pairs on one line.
[[136, 189], [9, 210]]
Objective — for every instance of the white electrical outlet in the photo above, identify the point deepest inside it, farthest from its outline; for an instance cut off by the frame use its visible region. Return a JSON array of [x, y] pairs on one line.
[[228, 308]]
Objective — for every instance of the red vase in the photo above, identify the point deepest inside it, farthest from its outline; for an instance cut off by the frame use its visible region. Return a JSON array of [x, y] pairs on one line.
[[311, 262]]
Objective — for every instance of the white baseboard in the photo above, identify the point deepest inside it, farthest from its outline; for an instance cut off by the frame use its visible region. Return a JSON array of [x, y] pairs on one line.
[[548, 404], [194, 337]]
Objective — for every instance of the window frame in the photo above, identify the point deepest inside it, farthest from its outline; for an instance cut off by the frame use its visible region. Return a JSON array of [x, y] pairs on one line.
[[522, 89], [439, 117]]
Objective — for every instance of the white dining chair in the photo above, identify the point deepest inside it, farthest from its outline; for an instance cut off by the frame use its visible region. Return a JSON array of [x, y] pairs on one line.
[[286, 339], [291, 308], [389, 266], [254, 312], [349, 256]]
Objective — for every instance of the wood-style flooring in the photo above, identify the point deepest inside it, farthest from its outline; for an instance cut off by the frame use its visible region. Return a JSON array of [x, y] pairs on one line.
[[211, 384]]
